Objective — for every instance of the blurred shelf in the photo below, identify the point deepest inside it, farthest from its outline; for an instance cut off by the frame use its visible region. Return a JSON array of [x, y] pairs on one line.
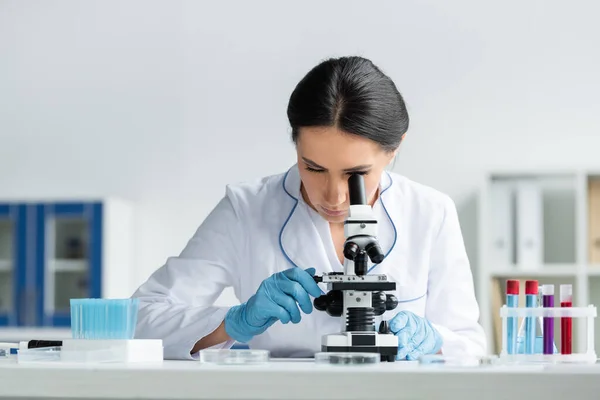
[[5, 265], [66, 265], [547, 270], [593, 270]]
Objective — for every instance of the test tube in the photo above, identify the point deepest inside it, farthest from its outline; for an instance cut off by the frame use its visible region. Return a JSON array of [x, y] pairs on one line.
[[548, 301], [531, 293], [566, 323], [512, 300]]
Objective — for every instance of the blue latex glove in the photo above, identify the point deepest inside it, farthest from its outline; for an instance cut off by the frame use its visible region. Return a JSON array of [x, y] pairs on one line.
[[277, 298], [416, 336]]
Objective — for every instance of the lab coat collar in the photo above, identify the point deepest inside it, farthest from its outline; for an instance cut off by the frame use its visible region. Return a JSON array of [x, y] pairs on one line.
[[299, 237]]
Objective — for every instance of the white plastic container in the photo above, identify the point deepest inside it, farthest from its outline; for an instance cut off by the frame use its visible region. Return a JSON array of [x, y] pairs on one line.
[[115, 350], [97, 351]]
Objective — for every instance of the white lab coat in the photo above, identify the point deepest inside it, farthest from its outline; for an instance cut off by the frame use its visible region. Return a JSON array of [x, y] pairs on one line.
[[264, 227]]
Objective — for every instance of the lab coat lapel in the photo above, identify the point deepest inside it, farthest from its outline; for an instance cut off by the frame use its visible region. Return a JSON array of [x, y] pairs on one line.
[[299, 238], [392, 236], [385, 211]]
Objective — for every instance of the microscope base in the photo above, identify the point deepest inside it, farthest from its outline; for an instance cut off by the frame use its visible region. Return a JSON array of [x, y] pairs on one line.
[[385, 344]]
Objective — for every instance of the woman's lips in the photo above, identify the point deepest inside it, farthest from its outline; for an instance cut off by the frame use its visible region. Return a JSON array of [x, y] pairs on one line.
[[333, 213]]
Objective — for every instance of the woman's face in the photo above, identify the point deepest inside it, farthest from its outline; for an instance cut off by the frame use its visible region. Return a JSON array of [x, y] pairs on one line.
[[326, 159]]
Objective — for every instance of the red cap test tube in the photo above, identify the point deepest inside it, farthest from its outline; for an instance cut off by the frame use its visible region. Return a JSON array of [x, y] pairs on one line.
[[566, 323]]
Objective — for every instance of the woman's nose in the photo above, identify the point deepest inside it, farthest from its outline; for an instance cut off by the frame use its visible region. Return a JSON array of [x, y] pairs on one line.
[[335, 193]]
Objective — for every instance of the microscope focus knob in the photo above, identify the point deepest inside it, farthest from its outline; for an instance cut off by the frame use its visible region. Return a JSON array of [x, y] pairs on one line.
[[384, 328], [382, 302], [378, 302], [391, 302], [332, 303], [321, 303]]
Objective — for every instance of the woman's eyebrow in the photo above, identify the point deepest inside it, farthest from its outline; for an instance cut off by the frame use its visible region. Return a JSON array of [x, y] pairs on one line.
[[312, 163], [353, 169], [358, 168]]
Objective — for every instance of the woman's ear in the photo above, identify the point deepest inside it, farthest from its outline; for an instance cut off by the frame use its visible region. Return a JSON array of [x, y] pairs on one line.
[[395, 152], [393, 155], [402, 139]]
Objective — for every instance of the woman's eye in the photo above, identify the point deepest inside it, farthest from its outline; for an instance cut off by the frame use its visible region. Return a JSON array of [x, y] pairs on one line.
[[313, 169], [308, 168]]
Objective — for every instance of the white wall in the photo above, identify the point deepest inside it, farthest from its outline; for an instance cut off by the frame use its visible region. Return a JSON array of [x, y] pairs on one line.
[[165, 102]]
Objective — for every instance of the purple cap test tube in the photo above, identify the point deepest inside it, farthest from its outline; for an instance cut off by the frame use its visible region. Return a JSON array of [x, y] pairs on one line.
[[548, 301]]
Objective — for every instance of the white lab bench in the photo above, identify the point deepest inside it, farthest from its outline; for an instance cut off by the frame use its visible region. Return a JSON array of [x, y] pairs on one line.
[[295, 379]]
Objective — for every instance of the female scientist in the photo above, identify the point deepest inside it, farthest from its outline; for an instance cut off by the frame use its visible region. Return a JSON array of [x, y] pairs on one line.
[[267, 238]]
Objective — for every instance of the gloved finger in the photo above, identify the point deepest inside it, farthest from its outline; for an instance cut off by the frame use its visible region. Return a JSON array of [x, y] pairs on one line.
[[297, 292], [417, 346], [403, 352], [415, 354], [304, 278], [277, 311], [270, 322], [427, 345], [398, 322], [405, 328], [419, 336], [311, 272], [288, 304], [405, 345], [431, 343]]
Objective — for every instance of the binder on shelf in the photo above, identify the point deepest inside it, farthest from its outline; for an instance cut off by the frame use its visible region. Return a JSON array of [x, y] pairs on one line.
[[594, 220], [497, 293], [502, 202], [530, 225]]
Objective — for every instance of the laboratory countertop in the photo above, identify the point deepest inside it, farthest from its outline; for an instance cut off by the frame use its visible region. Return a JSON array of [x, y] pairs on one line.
[[295, 379]]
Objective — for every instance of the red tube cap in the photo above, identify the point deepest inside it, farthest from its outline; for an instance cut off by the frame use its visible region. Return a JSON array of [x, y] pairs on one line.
[[512, 286], [531, 287]]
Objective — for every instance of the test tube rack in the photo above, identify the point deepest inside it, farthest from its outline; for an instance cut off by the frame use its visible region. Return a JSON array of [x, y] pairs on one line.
[[589, 312]]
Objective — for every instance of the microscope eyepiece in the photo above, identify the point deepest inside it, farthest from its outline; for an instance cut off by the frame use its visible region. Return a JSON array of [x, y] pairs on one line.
[[374, 252], [351, 249], [356, 189]]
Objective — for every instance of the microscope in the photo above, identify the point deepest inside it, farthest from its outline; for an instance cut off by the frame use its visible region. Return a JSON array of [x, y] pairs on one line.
[[354, 295]]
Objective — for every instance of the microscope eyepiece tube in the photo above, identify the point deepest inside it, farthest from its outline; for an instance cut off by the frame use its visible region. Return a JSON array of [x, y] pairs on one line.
[[356, 187], [374, 252], [361, 263]]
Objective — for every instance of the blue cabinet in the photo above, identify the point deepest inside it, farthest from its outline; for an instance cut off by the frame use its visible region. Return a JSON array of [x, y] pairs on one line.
[[51, 252], [12, 257]]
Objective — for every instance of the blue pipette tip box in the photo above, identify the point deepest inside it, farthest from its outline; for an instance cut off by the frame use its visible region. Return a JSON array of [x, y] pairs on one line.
[[103, 330], [98, 319]]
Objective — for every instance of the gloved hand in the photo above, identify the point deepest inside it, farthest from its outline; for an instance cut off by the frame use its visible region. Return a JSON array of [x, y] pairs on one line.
[[416, 336], [277, 298]]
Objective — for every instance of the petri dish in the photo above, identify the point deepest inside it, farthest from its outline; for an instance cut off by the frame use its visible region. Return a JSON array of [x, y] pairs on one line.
[[335, 358], [466, 361], [39, 354], [234, 356]]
